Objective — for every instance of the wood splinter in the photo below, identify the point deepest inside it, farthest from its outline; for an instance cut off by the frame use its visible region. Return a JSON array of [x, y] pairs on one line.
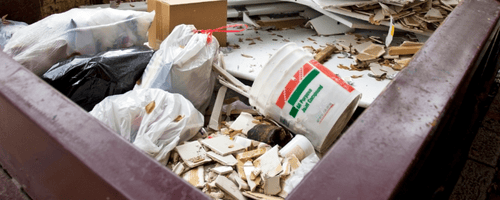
[[403, 50], [323, 54]]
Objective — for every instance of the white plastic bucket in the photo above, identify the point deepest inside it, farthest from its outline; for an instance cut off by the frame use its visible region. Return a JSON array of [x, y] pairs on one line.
[[303, 95], [299, 146]]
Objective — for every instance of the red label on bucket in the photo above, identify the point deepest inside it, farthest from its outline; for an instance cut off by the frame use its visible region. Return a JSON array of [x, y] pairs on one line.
[[292, 84], [298, 79], [331, 75]]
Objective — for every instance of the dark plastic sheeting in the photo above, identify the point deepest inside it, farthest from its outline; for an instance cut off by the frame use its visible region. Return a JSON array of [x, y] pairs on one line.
[[87, 80]]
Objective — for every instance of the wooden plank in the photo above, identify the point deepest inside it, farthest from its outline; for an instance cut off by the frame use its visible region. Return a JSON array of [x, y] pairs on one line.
[[327, 51], [403, 50]]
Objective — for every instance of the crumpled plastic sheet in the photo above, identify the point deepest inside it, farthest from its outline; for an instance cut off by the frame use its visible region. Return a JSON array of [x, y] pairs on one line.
[[157, 127], [183, 65], [77, 32], [87, 80], [7, 30]]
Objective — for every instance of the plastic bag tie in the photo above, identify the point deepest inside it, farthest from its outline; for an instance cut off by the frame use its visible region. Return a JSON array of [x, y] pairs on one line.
[[211, 31]]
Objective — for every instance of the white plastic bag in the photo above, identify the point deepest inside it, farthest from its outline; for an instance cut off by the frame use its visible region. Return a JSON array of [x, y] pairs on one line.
[[305, 167], [77, 32], [171, 120], [183, 65], [8, 29]]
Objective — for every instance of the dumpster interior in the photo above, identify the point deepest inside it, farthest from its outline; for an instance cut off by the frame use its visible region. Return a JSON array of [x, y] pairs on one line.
[[244, 99]]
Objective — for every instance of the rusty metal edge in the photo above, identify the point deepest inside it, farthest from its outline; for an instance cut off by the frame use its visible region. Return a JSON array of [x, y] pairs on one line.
[[374, 155], [56, 150]]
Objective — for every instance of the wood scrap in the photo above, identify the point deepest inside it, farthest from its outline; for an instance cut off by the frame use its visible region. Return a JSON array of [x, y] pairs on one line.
[[323, 54], [404, 50], [341, 66], [4, 20], [246, 56]]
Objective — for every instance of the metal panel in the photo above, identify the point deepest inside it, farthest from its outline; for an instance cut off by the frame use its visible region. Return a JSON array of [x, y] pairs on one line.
[[375, 154], [56, 150]]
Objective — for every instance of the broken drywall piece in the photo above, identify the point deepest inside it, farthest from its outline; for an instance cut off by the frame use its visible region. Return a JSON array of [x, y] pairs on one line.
[[195, 176], [290, 164], [363, 57], [411, 21], [387, 11], [403, 62], [269, 161], [274, 8], [387, 56], [216, 111], [250, 154], [294, 163], [228, 160], [248, 168], [325, 25], [245, 142], [338, 3], [179, 168], [222, 145], [376, 69], [229, 187], [375, 50], [272, 185], [210, 177], [449, 3], [349, 42], [376, 39], [410, 43], [216, 195], [242, 185], [433, 13], [282, 22], [259, 196], [241, 170], [275, 171], [193, 154], [309, 13], [243, 122], [379, 16], [223, 170], [248, 20], [256, 171]]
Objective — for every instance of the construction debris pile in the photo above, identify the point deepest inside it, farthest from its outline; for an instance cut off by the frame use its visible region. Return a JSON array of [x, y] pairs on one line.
[[233, 162], [411, 15], [416, 15], [166, 109], [369, 53]]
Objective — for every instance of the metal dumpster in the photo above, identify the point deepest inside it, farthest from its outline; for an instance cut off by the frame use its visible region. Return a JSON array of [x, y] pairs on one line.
[[406, 145]]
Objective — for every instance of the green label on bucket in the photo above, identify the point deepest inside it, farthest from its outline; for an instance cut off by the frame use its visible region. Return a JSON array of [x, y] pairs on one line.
[[302, 86], [305, 101]]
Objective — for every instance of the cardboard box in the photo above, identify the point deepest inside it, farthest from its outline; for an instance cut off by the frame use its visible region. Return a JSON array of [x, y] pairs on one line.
[[203, 14], [153, 42]]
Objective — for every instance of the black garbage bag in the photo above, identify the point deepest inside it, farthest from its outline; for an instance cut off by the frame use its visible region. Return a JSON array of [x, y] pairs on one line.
[[87, 80]]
